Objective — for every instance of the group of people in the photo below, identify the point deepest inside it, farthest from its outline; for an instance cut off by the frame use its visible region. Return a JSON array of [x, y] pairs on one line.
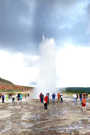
[[83, 99], [17, 97], [46, 99]]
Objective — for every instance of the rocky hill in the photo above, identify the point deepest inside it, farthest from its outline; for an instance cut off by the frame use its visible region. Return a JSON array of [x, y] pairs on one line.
[[6, 85], [4, 81]]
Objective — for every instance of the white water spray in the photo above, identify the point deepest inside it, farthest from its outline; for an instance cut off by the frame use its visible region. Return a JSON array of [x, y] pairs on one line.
[[47, 74]]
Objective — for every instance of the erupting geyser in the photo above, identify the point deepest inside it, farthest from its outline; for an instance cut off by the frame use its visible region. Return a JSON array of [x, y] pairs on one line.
[[47, 74]]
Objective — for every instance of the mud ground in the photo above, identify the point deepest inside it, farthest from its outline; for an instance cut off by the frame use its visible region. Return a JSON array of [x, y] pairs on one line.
[[29, 118]]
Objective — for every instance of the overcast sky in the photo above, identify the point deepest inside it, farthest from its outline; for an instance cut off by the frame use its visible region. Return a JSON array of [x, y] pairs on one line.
[[22, 25]]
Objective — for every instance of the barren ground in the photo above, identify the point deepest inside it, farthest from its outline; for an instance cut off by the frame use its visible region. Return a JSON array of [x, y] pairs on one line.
[[31, 119]]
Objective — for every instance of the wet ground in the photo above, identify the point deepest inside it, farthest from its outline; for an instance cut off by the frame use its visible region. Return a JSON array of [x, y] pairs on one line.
[[29, 118]]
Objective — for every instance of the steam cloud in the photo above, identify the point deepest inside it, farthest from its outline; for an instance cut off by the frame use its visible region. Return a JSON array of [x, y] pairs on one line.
[[47, 74]]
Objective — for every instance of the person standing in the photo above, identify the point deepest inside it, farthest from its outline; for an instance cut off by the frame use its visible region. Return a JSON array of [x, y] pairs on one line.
[[3, 98], [87, 96], [53, 98], [18, 96], [41, 97], [48, 97], [61, 98], [7, 97], [46, 102], [83, 104], [80, 96], [21, 97], [13, 99], [75, 98], [58, 97]]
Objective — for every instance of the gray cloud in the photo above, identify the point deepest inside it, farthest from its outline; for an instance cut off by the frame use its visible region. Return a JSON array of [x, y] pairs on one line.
[[13, 33], [62, 20], [22, 23]]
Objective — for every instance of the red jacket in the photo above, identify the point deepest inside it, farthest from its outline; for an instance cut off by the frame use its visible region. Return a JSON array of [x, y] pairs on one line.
[[46, 99]]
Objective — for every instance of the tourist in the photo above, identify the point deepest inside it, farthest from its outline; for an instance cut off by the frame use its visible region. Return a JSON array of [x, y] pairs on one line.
[[25, 96], [53, 98], [87, 96], [41, 97], [84, 95], [58, 97], [61, 98], [46, 102], [75, 98], [80, 96], [3, 98], [6, 97], [18, 96], [21, 97], [13, 99], [48, 97], [28, 94], [83, 104], [9, 96]]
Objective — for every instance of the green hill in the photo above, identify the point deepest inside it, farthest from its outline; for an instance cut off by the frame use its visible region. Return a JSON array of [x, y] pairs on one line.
[[77, 90]]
